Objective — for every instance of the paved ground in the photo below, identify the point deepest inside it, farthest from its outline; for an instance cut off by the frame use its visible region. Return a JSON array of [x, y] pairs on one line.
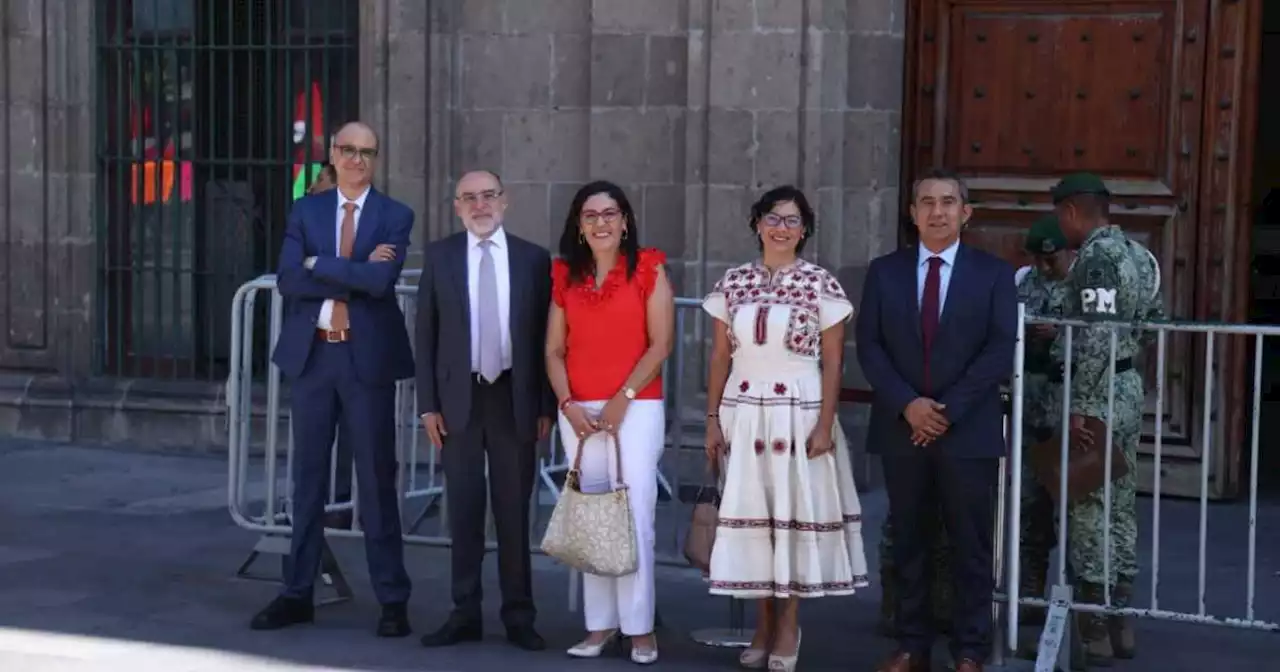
[[123, 562]]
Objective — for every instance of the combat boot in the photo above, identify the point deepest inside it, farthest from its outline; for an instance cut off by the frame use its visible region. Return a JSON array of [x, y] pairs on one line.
[[1120, 628], [1094, 641]]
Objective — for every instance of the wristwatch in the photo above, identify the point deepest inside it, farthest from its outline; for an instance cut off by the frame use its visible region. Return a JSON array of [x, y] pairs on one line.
[[629, 393]]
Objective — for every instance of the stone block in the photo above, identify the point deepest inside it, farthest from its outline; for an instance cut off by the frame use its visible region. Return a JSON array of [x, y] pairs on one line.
[[506, 71], [833, 78], [729, 235], [875, 71], [668, 82], [731, 151], [629, 16], [617, 73], [545, 145], [571, 71], [408, 67], [875, 16], [26, 138], [871, 143], [779, 14], [664, 224], [778, 149], [479, 141], [756, 71], [527, 211], [409, 15], [405, 145], [481, 16], [557, 16], [733, 16], [630, 145], [561, 198], [831, 149]]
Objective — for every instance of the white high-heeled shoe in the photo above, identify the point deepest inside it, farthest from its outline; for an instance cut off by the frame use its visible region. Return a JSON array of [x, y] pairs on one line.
[[585, 649], [786, 663], [754, 659], [642, 657]]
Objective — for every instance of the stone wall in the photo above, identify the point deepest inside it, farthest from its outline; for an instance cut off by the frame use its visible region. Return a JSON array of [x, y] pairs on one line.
[[694, 106]]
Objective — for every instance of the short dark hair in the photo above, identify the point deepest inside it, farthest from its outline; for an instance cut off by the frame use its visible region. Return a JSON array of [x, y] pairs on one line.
[[783, 194], [574, 249], [943, 175]]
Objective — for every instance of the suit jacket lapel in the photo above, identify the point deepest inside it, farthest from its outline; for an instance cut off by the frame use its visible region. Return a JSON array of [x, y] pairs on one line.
[[370, 222], [324, 227], [518, 285], [911, 283], [457, 260], [955, 289]]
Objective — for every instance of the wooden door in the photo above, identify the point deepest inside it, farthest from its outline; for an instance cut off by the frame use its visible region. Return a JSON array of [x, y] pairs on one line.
[[1015, 94]]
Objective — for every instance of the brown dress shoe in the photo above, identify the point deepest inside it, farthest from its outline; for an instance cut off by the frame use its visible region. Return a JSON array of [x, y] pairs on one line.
[[967, 665], [906, 662]]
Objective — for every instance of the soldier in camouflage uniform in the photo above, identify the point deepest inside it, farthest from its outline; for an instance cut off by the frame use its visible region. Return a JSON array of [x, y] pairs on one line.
[[1113, 279], [1043, 291]]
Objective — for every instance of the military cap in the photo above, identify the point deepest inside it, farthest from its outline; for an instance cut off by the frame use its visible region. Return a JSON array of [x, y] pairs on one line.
[[1076, 184], [1045, 236]]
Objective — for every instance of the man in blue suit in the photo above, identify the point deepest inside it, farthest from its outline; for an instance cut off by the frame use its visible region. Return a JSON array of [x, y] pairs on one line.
[[936, 335], [343, 346]]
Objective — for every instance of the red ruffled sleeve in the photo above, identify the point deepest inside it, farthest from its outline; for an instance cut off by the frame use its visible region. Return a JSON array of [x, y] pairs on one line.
[[559, 281], [647, 268]]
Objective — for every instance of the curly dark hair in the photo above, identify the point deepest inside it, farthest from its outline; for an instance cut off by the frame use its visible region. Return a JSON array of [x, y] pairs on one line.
[[574, 249], [771, 199]]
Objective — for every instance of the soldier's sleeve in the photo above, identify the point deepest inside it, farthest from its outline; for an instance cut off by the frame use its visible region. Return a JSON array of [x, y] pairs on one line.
[[1095, 290], [1154, 308]]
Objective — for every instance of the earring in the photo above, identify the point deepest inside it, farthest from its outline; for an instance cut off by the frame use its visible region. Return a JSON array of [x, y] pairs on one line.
[[624, 234], [582, 238]]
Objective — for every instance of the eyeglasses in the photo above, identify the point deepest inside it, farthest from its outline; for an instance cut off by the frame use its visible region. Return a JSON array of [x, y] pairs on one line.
[[790, 221], [365, 153], [591, 217], [483, 197]]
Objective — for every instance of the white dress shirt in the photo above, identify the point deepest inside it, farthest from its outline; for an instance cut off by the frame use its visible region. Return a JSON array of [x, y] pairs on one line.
[[944, 273], [326, 310], [502, 273]]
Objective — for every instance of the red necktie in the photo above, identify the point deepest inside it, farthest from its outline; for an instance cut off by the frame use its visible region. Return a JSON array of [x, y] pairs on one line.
[[929, 313]]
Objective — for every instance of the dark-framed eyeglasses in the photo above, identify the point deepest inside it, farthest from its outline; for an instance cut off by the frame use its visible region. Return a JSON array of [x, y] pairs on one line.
[[591, 217], [486, 196], [351, 152], [789, 221]]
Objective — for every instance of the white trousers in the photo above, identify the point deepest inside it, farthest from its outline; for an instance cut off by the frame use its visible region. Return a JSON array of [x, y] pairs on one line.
[[625, 602]]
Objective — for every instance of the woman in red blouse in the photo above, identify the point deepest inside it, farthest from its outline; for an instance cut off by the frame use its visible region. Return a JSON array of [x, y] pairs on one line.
[[609, 332]]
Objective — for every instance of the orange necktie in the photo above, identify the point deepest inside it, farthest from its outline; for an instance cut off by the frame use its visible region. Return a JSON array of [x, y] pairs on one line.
[[339, 320]]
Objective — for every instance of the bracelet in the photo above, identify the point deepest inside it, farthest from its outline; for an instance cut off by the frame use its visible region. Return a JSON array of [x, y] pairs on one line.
[[713, 415], [565, 404]]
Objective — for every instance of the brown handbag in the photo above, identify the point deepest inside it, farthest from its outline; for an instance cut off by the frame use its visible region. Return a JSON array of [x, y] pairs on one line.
[[701, 537], [1086, 470]]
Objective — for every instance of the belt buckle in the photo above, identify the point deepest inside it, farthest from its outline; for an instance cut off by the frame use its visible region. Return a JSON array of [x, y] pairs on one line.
[[333, 336]]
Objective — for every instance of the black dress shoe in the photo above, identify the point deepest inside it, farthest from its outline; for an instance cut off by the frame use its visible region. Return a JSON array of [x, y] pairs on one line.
[[394, 621], [282, 613], [526, 637], [454, 631]]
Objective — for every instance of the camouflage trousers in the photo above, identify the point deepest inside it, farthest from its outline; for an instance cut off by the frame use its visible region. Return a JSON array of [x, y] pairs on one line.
[[940, 591], [1086, 519]]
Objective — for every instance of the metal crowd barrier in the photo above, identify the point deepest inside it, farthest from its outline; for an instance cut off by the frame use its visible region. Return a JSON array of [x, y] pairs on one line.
[[1062, 601], [262, 504]]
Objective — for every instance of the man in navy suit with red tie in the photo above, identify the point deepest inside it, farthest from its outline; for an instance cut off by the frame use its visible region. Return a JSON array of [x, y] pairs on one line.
[[343, 346], [935, 339]]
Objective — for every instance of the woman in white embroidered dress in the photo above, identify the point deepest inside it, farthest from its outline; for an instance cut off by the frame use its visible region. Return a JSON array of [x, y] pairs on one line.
[[790, 522]]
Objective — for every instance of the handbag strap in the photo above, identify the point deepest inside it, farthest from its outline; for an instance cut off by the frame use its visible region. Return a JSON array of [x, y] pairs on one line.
[[617, 453]]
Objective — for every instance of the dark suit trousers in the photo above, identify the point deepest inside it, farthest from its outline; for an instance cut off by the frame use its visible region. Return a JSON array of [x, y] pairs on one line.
[[492, 433], [919, 482], [326, 397]]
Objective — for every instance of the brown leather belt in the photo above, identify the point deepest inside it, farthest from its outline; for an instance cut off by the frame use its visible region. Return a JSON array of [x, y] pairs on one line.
[[333, 335]]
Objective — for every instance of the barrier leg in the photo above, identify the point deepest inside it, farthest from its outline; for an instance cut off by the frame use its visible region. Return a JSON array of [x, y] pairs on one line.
[[331, 575], [736, 636]]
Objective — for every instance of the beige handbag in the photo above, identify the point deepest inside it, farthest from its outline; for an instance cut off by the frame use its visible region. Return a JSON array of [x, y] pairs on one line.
[[593, 532]]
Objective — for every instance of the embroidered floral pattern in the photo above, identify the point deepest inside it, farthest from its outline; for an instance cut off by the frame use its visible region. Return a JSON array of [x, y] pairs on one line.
[[799, 287], [779, 388]]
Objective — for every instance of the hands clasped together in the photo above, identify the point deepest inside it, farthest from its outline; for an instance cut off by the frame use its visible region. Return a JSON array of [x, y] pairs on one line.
[[926, 419], [608, 420]]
